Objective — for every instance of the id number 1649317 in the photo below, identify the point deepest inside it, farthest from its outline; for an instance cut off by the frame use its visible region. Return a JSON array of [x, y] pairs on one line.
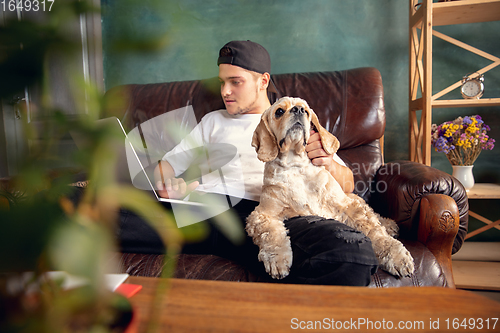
[[26, 5], [471, 323]]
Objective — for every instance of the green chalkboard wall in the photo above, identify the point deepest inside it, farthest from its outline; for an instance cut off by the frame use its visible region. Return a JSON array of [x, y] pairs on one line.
[[301, 36]]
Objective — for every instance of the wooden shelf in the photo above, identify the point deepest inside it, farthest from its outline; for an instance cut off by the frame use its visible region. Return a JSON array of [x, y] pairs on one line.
[[476, 275], [460, 12], [484, 191], [465, 11], [457, 103]]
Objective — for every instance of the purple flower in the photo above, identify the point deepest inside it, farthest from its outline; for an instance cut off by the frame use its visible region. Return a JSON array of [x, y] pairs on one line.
[[441, 144], [490, 144]]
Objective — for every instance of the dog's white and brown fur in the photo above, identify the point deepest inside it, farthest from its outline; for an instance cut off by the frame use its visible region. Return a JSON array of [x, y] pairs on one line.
[[293, 186]]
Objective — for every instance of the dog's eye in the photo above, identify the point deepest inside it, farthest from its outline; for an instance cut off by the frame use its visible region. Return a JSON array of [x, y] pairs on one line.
[[279, 112]]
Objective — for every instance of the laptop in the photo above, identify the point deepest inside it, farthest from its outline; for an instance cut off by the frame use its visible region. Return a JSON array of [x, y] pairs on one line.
[[144, 173], [131, 170]]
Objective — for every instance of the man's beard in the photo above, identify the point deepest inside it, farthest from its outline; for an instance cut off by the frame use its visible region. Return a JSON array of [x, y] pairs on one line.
[[240, 110]]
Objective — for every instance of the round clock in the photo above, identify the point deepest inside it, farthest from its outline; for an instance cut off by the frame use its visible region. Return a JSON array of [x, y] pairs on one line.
[[472, 87]]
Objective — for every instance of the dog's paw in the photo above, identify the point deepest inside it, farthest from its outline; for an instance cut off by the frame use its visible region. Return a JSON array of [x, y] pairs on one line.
[[398, 260], [277, 261], [390, 226]]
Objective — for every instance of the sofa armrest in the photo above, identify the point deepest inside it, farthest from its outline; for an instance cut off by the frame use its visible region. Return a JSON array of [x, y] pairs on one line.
[[399, 187], [437, 229]]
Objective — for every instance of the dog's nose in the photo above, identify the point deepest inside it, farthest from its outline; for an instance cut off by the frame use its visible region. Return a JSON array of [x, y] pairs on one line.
[[297, 110]]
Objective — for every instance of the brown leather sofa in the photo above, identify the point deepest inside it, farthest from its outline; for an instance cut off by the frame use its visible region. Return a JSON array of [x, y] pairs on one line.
[[430, 206]]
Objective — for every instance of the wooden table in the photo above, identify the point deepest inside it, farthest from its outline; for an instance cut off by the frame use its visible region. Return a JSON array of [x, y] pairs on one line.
[[215, 306], [483, 191]]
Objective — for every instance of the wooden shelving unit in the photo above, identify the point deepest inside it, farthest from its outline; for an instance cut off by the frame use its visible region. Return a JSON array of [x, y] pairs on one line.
[[424, 15]]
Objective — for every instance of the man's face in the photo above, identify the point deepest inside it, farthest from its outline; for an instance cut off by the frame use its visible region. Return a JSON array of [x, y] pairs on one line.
[[239, 90]]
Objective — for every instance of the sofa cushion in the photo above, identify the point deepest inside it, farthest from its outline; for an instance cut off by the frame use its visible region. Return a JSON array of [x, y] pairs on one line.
[[428, 272]]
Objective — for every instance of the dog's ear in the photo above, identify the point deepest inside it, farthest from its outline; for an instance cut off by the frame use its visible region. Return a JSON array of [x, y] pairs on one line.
[[264, 142], [328, 140]]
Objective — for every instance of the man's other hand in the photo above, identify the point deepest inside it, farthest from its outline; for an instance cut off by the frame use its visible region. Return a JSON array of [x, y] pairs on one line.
[[175, 188]]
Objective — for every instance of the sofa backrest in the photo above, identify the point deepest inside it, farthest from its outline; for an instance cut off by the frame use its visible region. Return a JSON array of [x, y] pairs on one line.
[[348, 103]]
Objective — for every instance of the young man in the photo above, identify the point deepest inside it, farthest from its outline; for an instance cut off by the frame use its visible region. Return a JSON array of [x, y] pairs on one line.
[[325, 252], [244, 78]]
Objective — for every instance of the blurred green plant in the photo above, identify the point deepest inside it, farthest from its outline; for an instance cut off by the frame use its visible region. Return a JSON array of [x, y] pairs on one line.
[[42, 229]]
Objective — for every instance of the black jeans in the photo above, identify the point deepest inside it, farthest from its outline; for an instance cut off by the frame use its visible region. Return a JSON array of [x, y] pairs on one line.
[[325, 251]]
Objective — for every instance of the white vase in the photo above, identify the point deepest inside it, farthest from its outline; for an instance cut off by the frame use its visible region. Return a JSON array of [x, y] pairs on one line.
[[464, 174]]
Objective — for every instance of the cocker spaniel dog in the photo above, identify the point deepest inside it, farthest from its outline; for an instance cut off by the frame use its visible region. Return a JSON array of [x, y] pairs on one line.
[[293, 186]]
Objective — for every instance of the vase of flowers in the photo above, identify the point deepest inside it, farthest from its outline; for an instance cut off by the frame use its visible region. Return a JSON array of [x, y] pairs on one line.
[[462, 140]]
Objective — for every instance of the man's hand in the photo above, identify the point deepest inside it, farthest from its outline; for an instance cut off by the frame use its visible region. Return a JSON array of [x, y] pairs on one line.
[[316, 153], [175, 188], [319, 157], [168, 186]]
